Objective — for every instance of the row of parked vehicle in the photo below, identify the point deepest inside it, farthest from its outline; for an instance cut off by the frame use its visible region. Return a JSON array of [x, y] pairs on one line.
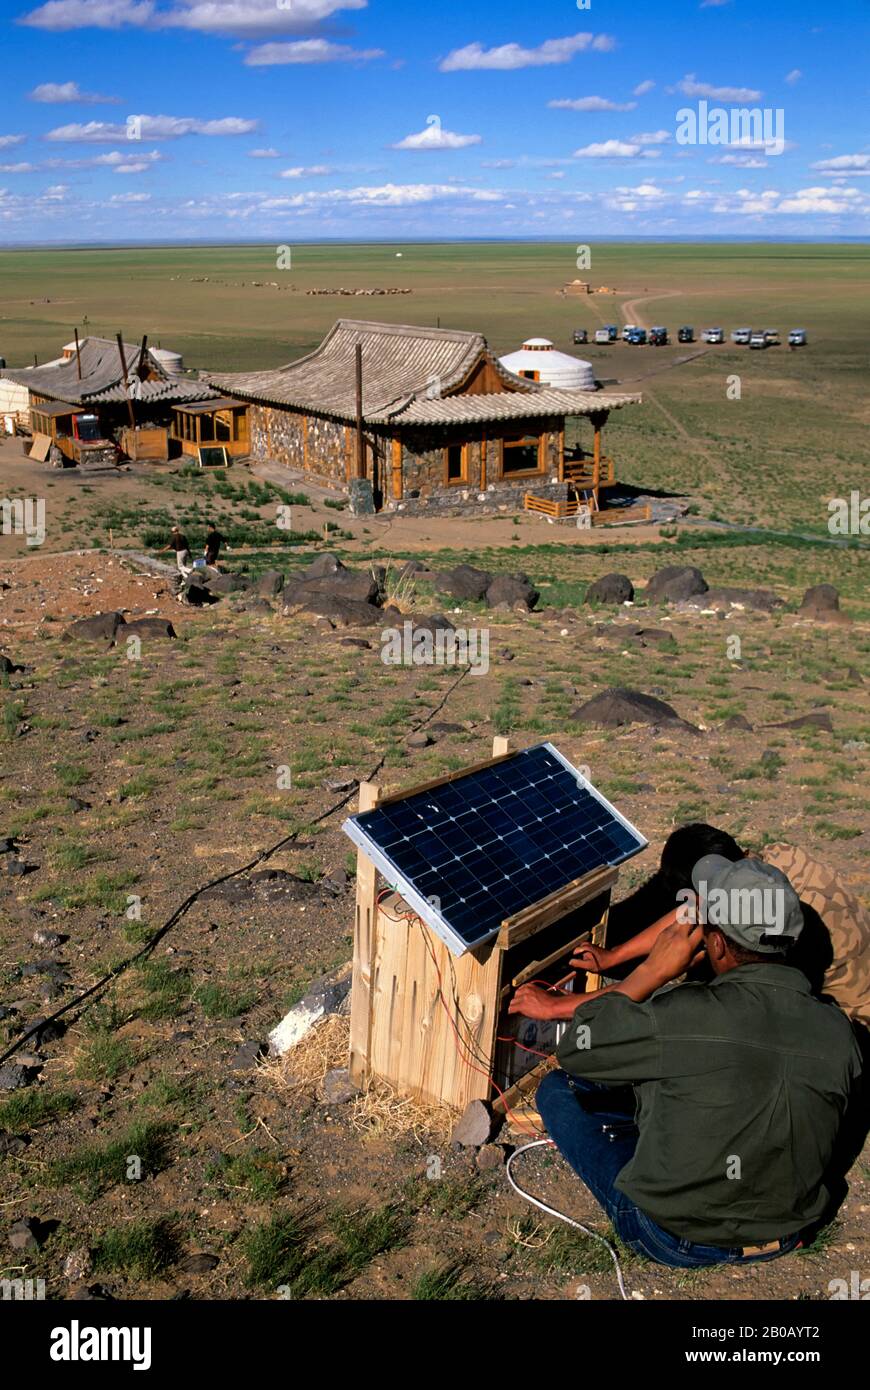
[[658, 336]]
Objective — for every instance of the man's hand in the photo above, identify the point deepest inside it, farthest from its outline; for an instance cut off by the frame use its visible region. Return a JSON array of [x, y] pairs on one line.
[[679, 945], [594, 959], [533, 1002]]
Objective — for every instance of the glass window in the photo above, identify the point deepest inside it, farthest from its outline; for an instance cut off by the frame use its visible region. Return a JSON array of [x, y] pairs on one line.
[[455, 460], [521, 454]]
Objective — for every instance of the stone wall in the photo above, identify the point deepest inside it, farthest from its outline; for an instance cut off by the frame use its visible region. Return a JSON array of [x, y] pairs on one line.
[[280, 435]]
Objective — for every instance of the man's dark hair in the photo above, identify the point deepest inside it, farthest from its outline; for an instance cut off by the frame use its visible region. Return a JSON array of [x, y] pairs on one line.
[[689, 843], [744, 956]]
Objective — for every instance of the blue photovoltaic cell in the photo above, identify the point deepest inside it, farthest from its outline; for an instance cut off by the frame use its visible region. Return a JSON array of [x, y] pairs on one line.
[[486, 845]]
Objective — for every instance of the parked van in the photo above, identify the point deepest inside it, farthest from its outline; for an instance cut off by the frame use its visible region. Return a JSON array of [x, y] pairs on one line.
[[758, 338], [797, 337], [658, 337], [771, 337], [602, 335], [686, 334], [627, 331], [741, 336], [613, 331], [712, 335], [637, 336], [581, 335]]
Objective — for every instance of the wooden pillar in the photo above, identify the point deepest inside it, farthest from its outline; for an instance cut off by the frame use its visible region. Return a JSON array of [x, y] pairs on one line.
[[363, 944], [562, 453], [397, 468], [596, 463], [483, 464], [305, 441], [360, 441]]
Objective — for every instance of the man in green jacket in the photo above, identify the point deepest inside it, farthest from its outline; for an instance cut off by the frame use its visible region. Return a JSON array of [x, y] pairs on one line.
[[705, 1118]]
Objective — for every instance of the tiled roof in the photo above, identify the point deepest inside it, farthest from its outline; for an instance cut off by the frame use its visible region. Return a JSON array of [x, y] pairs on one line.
[[505, 405], [101, 380]]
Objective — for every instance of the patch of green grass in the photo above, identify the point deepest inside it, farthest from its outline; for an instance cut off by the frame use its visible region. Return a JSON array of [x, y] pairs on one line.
[[449, 1282], [101, 1166], [29, 1109], [72, 774], [457, 1196], [258, 1175], [830, 831], [104, 1058], [276, 1250], [168, 989], [143, 1249], [216, 1001]]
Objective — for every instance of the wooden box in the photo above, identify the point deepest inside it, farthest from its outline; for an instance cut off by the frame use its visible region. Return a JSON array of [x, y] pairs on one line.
[[434, 1025]]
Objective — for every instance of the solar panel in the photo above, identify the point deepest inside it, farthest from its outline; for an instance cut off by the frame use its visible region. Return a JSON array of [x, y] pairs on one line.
[[471, 852]]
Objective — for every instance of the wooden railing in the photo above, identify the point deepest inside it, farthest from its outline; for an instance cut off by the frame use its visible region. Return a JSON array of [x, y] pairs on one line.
[[581, 472]]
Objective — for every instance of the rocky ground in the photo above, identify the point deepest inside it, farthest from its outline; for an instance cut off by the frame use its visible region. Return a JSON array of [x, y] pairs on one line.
[[147, 1149]]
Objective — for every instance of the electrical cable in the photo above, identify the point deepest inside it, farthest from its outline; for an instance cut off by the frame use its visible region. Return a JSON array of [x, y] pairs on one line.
[[560, 1215], [182, 910]]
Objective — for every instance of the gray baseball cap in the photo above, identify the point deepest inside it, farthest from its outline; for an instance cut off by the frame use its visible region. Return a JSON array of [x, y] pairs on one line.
[[752, 902]]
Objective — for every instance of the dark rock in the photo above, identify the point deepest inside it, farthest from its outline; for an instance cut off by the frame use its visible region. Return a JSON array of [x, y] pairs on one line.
[[465, 582], [7, 666], [344, 584], [322, 565], [737, 721], [13, 1077], [92, 1293], [75, 803], [490, 1158], [270, 584], [248, 1055], [337, 1087], [610, 588], [102, 627], [78, 1265], [26, 1234], [46, 1032], [726, 596], [419, 740], [225, 583], [198, 1264], [160, 629], [359, 642], [15, 868], [822, 604], [511, 591], [435, 622], [337, 785], [255, 605], [618, 706], [341, 612], [674, 583], [474, 1126], [654, 637], [819, 719], [444, 728], [12, 1144]]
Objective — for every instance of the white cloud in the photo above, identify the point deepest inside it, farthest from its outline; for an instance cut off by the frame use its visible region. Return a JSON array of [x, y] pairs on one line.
[[713, 4], [388, 195], [308, 51], [263, 154], [850, 164], [614, 149], [435, 137], [651, 137], [643, 87], [690, 87], [130, 198], [238, 18], [7, 140], [741, 161], [794, 76], [591, 104], [54, 93], [510, 56], [150, 128], [313, 171], [17, 168]]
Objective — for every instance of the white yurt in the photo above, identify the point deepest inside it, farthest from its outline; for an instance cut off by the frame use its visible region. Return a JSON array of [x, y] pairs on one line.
[[538, 360], [172, 362]]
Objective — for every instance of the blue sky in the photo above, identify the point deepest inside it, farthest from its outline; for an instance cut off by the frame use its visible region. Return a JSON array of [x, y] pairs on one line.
[[302, 119]]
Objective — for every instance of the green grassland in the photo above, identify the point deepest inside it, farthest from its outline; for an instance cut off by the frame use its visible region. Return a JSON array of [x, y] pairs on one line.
[[774, 457]]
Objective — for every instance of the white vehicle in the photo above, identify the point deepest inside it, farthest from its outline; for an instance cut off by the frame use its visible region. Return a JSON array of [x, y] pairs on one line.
[[712, 335], [741, 335], [758, 338], [797, 337], [628, 330], [602, 335], [771, 337]]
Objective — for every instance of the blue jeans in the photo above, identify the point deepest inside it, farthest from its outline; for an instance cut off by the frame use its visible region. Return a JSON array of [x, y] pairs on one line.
[[593, 1128]]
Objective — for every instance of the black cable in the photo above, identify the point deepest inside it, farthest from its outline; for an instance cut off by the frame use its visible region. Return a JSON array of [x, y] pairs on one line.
[[213, 883]]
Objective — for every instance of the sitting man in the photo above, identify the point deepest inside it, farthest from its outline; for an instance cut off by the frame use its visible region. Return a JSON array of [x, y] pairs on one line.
[[740, 1086]]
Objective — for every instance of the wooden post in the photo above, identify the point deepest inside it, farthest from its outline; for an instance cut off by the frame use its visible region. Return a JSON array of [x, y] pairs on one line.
[[483, 464], [363, 942], [397, 468], [124, 379], [305, 441], [360, 441], [78, 355], [562, 453], [500, 746], [596, 464]]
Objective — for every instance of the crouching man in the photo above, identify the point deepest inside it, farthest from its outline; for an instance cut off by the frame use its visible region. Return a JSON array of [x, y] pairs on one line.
[[705, 1119]]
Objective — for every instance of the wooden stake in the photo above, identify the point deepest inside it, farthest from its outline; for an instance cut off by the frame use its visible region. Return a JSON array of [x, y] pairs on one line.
[[124, 380], [363, 943], [360, 441], [78, 354]]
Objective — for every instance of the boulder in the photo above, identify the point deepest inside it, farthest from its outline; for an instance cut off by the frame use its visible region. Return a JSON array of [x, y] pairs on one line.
[[465, 582], [474, 1126], [727, 596], [512, 591], [674, 583], [346, 584], [223, 583], [618, 706], [435, 622], [337, 1087], [7, 666], [322, 565], [819, 719], [822, 604], [161, 628], [102, 627], [328, 995], [610, 588], [340, 612], [269, 584]]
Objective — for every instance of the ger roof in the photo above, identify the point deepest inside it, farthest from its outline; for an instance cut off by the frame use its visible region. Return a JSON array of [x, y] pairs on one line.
[[409, 373], [101, 380]]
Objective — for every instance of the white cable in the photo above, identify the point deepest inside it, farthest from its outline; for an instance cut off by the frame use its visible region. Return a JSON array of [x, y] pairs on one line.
[[569, 1220]]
